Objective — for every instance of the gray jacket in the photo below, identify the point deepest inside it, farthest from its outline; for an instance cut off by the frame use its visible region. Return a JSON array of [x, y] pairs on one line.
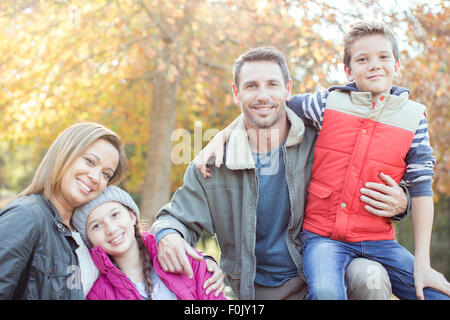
[[225, 204], [37, 252]]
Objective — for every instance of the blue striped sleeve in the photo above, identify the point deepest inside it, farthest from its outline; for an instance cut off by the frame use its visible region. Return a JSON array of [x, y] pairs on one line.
[[420, 163], [310, 107]]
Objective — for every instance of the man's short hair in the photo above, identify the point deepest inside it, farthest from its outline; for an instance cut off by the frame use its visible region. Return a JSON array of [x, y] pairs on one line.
[[367, 28], [261, 54]]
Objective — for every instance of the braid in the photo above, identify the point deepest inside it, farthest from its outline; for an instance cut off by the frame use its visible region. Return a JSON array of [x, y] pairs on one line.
[[146, 261]]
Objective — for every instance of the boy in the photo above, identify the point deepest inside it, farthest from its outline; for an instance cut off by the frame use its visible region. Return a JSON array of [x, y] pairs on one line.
[[367, 128]]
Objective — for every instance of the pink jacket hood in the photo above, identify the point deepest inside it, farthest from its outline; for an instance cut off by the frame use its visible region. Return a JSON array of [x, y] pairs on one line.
[[113, 284]]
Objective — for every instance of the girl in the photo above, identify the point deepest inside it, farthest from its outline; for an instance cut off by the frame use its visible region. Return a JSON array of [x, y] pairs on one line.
[[39, 255], [127, 257]]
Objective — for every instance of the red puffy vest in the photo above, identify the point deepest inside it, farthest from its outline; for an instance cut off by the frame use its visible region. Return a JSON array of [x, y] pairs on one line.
[[358, 141]]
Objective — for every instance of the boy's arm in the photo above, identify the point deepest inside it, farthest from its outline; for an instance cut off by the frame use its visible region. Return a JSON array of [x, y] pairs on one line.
[[419, 178], [422, 220], [420, 163], [424, 275], [214, 148], [309, 107]]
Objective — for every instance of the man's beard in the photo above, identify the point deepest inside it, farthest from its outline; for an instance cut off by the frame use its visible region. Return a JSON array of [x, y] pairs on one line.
[[266, 123]]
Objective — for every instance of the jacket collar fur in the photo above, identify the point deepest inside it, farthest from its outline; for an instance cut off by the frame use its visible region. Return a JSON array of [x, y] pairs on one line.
[[238, 151]]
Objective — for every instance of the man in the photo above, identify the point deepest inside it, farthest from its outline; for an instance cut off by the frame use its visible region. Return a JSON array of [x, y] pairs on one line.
[[254, 204]]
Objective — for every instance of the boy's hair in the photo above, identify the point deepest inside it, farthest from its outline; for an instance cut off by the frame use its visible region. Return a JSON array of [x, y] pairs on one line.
[[367, 28], [261, 54]]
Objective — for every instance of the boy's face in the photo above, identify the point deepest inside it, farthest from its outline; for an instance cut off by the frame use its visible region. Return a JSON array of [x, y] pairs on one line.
[[111, 227], [372, 65]]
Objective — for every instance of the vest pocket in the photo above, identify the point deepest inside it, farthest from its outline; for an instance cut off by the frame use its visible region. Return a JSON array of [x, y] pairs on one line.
[[367, 223], [319, 190], [320, 200]]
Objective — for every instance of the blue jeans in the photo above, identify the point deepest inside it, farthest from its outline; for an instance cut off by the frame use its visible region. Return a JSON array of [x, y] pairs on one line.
[[325, 261]]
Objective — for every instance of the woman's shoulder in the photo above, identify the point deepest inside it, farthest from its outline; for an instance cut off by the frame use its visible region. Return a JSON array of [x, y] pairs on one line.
[[33, 200], [26, 210], [24, 221]]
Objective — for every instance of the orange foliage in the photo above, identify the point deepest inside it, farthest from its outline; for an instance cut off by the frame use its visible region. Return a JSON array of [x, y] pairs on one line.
[[93, 60]]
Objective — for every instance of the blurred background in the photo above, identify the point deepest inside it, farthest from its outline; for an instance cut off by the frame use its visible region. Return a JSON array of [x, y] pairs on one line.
[[150, 68]]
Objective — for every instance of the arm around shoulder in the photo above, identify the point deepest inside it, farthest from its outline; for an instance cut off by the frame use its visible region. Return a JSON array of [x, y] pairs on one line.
[[188, 211], [201, 274]]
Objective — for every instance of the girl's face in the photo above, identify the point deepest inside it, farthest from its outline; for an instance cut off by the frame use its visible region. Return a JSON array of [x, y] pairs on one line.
[[111, 227], [88, 175]]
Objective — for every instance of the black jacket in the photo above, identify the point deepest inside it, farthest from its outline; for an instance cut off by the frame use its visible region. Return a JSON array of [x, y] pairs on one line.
[[37, 252]]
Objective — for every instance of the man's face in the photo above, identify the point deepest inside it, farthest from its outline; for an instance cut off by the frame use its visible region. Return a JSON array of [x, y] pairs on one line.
[[262, 94]]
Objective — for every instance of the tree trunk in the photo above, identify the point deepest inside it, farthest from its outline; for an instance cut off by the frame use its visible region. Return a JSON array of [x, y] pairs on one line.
[[156, 187]]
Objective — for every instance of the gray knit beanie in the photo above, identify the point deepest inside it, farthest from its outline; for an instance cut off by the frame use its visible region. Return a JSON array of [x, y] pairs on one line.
[[111, 193]]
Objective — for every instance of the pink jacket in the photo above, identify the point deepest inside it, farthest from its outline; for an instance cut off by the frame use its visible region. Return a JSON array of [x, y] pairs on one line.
[[113, 284]]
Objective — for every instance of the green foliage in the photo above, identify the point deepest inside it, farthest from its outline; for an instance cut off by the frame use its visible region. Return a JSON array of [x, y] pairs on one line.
[[440, 239]]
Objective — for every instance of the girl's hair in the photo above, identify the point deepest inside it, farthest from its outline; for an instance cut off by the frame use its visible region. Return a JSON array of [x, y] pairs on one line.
[[367, 28], [69, 145], [146, 261]]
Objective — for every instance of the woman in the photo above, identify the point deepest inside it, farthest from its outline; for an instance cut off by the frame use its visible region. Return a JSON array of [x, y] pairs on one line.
[[40, 256]]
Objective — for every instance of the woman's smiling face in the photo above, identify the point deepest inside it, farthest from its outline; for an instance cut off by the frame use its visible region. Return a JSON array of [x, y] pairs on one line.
[[88, 175]]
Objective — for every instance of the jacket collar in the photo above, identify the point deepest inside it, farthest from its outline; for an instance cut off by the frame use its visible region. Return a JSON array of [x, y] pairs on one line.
[[395, 98], [397, 91], [238, 151], [56, 218]]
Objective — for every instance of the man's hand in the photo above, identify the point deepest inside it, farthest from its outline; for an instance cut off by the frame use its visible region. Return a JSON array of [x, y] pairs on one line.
[[215, 282], [172, 250], [172, 255], [384, 200]]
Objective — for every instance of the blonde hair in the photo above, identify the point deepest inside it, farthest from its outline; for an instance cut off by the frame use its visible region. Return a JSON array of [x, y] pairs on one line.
[[367, 28], [65, 149]]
